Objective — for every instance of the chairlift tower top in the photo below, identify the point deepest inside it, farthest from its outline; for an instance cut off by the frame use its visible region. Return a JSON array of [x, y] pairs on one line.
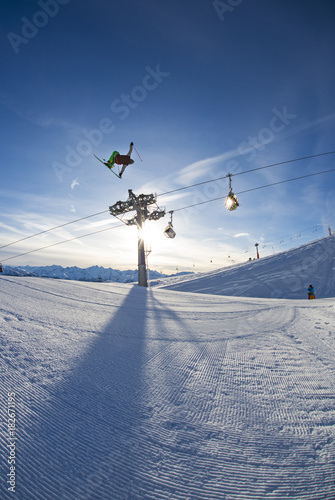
[[140, 204]]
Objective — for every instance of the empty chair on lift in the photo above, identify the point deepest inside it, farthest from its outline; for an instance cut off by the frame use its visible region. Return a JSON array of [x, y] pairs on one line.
[[169, 231]]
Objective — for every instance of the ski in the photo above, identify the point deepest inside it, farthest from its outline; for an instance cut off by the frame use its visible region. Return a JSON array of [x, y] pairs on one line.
[[109, 168]]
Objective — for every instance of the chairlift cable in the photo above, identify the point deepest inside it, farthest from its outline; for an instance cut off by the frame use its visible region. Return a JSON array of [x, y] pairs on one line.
[[245, 172], [284, 162], [188, 187], [60, 242], [52, 229], [259, 187], [288, 180], [290, 236], [175, 210]]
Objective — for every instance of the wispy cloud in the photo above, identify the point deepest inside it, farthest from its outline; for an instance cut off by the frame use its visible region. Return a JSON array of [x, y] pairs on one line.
[[27, 112], [196, 170], [96, 225], [199, 168], [238, 235], [74, 183], [305, 126], [9, 228], [37, 116]]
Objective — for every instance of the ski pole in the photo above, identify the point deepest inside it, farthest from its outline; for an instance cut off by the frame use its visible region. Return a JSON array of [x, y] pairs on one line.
[[138, 154]]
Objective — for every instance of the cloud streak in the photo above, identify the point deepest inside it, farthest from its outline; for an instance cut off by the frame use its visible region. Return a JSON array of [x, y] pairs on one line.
[[74, 183], [199, 168]]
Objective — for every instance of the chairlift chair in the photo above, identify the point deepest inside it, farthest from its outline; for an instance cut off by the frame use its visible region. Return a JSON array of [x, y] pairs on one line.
[[231, 202], [169, 231]]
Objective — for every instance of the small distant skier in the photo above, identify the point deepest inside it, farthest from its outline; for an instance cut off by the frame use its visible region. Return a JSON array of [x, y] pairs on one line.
[[310, 292], [123, 160], [1, 268]]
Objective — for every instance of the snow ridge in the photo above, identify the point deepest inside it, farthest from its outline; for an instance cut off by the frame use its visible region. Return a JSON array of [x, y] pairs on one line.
[[285, 275]]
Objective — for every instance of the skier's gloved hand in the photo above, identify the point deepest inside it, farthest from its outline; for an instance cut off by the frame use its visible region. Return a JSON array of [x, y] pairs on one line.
[[132, 144]]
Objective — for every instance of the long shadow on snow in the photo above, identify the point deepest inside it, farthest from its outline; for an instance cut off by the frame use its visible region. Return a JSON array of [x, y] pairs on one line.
[[81, 446]]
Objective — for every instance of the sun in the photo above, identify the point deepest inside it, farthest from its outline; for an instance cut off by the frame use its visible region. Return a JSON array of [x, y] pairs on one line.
[[152, 235]]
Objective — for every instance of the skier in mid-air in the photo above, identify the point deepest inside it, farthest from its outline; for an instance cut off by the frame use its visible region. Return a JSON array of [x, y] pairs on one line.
[[123, 160]]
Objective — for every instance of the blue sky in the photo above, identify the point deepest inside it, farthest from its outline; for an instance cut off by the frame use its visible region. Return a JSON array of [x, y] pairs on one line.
[[202, 88]]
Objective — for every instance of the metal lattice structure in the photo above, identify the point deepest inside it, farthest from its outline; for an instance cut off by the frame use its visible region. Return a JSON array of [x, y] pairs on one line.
[[140, 204]]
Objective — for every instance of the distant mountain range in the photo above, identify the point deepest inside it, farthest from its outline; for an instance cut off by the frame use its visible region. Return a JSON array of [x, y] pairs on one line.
[[93, 273]]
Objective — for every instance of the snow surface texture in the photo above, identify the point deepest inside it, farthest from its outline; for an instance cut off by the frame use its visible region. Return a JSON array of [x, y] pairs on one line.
[[124, 392], [284, 275]]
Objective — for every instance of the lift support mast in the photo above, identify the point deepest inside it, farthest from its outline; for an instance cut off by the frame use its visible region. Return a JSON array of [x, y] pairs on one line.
[[140, 204]]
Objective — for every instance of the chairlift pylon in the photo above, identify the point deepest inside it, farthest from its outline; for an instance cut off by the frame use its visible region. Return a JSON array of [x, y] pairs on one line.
[[169, 231], [231, 202]]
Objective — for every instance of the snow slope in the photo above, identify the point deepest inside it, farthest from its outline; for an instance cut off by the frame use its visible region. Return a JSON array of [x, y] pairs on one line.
[[284, 275], [123, 392]]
